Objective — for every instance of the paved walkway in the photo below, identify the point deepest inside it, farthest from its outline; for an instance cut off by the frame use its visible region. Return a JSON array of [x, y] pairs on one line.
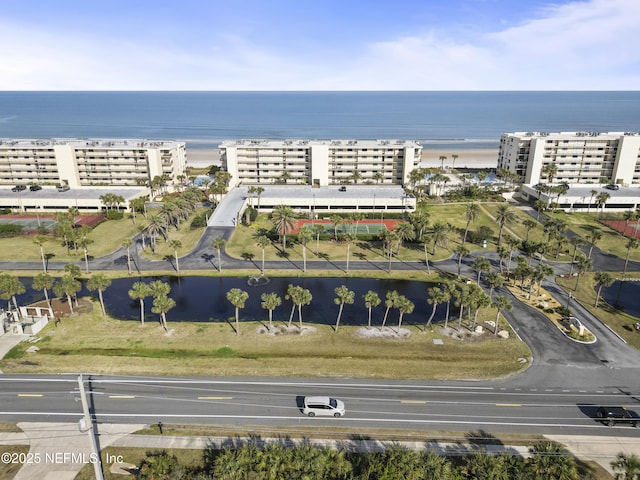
[[63, 450], [8, 341]]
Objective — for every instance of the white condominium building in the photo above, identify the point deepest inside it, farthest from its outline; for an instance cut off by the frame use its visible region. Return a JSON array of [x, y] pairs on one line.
[[580, 157], [87, 163], [320, 162]]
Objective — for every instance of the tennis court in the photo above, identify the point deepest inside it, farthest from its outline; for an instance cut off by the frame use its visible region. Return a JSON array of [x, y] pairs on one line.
[[371, 227], [31, 223]]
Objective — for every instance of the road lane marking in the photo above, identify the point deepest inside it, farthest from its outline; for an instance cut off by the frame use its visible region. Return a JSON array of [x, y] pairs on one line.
[[122, 396], [415, 402], [215, 398], [508, 404], [30, 395]]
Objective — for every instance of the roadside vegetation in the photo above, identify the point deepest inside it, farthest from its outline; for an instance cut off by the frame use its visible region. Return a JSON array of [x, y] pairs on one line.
[[113, 346], [275, 461]]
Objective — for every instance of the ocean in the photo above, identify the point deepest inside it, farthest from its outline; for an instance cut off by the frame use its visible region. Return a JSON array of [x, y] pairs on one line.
[[203, 119]]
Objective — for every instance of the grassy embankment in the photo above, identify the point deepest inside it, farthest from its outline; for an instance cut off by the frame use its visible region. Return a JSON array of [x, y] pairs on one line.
[[89, 343]]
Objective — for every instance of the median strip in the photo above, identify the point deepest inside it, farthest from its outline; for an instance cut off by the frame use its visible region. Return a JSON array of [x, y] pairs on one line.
[[508, 404], [414, 402]]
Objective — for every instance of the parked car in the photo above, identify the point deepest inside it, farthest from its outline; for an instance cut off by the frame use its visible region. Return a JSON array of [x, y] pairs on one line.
[[35, 188], [343, 189], [323, 406], [18, 188], [612, 415], [63, 188], [612, 186]]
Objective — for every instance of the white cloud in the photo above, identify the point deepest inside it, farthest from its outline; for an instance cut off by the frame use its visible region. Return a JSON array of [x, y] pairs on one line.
[[579, 45]]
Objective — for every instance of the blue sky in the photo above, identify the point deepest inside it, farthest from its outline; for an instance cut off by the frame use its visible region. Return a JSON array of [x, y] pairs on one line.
[[319, 45]]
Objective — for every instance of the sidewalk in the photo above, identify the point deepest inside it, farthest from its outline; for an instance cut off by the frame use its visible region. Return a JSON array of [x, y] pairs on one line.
[[8, 341], [63, 450]]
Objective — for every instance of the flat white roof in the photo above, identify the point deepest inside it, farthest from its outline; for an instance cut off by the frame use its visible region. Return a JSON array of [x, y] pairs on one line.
[[307, 143], [92, 142]]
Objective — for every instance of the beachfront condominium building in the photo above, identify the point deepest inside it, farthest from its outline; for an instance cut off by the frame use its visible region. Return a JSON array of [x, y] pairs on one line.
[[579, 157], [87, 163], [320, 162]]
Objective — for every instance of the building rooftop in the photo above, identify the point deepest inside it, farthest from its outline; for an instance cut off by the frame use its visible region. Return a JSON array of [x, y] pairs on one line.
[[574, 134], [307, 143], [88, 143]]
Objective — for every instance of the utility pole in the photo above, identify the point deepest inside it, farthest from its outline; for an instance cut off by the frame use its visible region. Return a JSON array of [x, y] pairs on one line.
[[86, 425]]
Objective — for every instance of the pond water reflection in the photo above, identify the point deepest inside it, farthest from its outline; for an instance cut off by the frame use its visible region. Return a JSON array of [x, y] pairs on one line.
[[203, 299], [623, 295]]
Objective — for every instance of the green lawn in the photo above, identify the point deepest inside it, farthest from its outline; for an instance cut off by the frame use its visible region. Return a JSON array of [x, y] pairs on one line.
[[243, 243], [124, 347], [620, 322], [611, 241]]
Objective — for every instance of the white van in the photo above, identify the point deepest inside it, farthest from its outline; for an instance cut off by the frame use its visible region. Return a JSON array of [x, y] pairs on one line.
[[323, 406]]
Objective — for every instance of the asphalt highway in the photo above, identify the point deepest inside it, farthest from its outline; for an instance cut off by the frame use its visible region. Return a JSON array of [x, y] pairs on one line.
[[457, 406]]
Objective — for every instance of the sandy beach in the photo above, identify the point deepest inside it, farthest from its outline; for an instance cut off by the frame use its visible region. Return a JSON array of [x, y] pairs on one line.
[[467, 158]]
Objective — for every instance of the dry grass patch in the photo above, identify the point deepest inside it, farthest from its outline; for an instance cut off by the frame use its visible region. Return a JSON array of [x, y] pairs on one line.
[[123, 347]]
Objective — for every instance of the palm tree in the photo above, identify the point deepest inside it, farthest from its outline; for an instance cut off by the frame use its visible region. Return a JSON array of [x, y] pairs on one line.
[[371, 300], [159, 288], [529, 224], [539, 206], [593, 194], [501, 304], [304, 236], [551, 170], [504, 215], [219, 243], [99, 282], [161, 305], [270, 301], [390, 302], [344, 295], [493, 280], [127, 242], [405, 231], [481, 264], [300, 297], [461, 251], [601, 200], [263, 242], [139, 291], [472, 213], [405, 306], [513, 244], [626, 466], [68, 286], [603, 279], [632, 243], [336, 221], [503, 254], [11, 286], [551, 460], [43, 281], [577, 242], [283, 217], [479, 300], [318, 229], [348, 239], [583, 265], [40, 240], [436, 296], [440, 235], [454, 157], [176, 245], [593, 238], [258, 192], [237, 298]]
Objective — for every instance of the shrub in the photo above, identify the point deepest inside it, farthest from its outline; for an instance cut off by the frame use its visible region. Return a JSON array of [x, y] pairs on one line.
[[114, 215], [7, 230], [199, 222]]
